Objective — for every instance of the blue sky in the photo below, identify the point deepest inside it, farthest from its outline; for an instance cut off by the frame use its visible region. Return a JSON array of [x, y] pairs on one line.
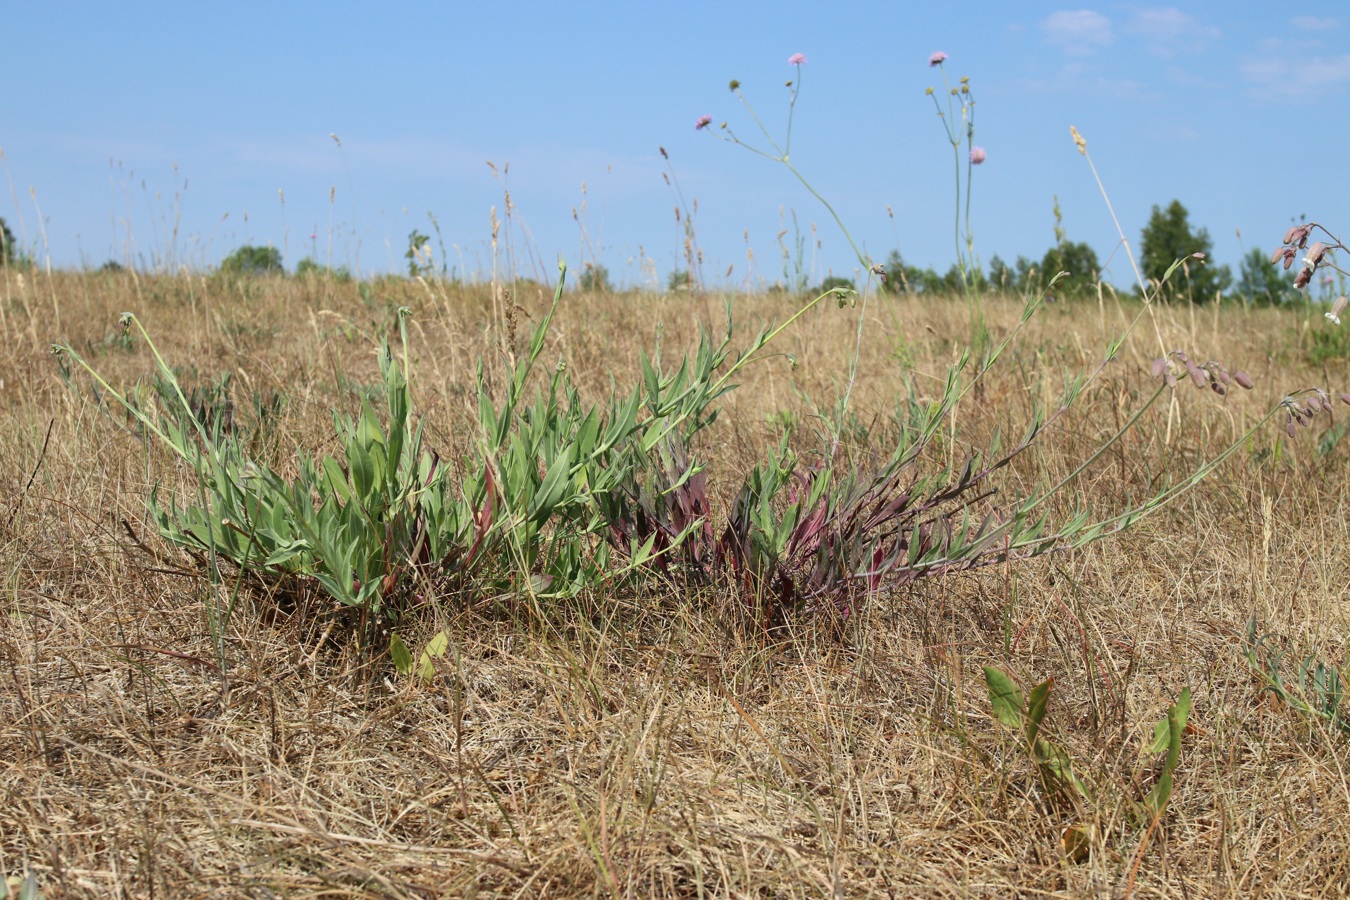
[[168, 133]]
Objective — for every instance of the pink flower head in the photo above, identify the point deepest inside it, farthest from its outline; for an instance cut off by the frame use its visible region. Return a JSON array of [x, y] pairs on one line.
[[937, 58], [977, 155], [797, 59], [702, 123]]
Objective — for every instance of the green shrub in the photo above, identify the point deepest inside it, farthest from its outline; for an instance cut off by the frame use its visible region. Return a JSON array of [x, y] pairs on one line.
[[251, 260]]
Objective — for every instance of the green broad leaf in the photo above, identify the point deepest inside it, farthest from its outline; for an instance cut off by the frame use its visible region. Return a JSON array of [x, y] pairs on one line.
[[553, 489], [640, 553], [361, 468], [435, 649], [1160, 739], [1057, 767], [1036, 703], [335, 479], [1183, 706], [283, 555], [1005, 697], [399, 653], [1156, 801]]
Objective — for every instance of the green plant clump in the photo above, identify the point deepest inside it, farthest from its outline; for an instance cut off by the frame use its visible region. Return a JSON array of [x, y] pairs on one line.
[[251, 260]]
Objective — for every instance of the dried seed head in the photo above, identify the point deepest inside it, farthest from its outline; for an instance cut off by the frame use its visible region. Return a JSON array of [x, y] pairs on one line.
[[1079, 141]]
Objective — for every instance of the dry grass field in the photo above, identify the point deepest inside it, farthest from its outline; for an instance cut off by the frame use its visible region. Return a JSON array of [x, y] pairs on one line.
[[652, 743]]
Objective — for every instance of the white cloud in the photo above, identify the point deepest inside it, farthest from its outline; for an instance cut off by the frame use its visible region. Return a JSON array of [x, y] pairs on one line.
[[1284, 70], [1081, 81], [1078, 32], [1167, 31], [1314, 23]]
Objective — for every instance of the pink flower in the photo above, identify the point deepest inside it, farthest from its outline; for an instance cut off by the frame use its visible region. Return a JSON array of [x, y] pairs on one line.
[[796, 59], [702, 123], [937, 58], [977, 155]]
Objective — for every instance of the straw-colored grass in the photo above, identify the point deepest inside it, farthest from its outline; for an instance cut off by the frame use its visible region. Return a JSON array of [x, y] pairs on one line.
[[648, 746]]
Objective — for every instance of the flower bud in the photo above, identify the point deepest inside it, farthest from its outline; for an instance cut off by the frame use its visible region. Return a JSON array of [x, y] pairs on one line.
[[1298, 234], [1336, 309], [1243, 379]]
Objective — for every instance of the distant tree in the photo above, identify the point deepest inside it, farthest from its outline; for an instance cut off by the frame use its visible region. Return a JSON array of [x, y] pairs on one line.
[[906, 279], [251, 260], [112, 267], [8, 252], [1168, 237], [419, 254], [308, 267], [594, 279], [1001, 277], [954, 283], [678, 281], [1080, 261], [1027, 271], [1264, 283], [834, 281]]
